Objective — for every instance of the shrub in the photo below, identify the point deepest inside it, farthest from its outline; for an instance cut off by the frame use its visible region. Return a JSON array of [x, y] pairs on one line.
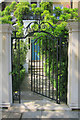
[[16, 80]]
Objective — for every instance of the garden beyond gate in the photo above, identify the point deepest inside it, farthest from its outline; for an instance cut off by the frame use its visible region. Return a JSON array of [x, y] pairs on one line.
[[49, 71]]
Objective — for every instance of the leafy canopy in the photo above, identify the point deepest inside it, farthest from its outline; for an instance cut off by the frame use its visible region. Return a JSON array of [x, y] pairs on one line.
[[23, 11]]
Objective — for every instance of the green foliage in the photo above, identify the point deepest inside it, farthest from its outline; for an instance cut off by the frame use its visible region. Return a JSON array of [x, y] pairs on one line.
[[33, 6], [69, 14], [16, 52], [57, 11], [61, 29], [6, 20], [20, 12], [46, 6], [0, 13], [17, 82], [13, 6], [37, 11], [6, 11], [23, 4]]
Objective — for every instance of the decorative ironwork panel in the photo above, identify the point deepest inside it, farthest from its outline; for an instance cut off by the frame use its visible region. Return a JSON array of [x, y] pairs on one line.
[[47, 75]]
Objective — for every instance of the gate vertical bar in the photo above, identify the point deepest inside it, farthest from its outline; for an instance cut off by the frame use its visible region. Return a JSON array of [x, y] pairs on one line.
[[67, 70], [19, 70], [53, 73], [12, 67], [36, 64], [57, 75], [31, 70], [46, 67], [34, 67], [60, 66], [42, 66], [39, 67], [49, 67], [44, 72]]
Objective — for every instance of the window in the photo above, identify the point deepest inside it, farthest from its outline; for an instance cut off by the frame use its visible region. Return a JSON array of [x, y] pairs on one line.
[[34, 3], [37, 2], [57, 5]]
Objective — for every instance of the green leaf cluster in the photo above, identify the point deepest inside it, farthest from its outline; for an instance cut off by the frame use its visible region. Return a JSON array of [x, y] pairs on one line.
[[6, 19]]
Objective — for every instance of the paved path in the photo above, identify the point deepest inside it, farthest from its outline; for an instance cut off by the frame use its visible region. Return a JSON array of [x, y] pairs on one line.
[[27, 110], [36, 106], [26, 84], [26, 93]]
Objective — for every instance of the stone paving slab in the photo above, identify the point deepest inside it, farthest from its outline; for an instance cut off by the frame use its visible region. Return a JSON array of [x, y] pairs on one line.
[[11, 115], [5, 114], [59, 114], [44, 105], [33, 105], [50, 114], [0, 114], [32, 114], [54, 106], [29, 95], [14, 115], [19, 108]]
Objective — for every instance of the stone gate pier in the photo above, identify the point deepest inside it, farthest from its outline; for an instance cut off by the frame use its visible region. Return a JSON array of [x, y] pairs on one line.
[[73, 94], [5, 65]]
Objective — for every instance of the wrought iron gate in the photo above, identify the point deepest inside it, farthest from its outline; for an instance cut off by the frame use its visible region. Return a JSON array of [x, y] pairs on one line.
[[49, 71], [46, 73]]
